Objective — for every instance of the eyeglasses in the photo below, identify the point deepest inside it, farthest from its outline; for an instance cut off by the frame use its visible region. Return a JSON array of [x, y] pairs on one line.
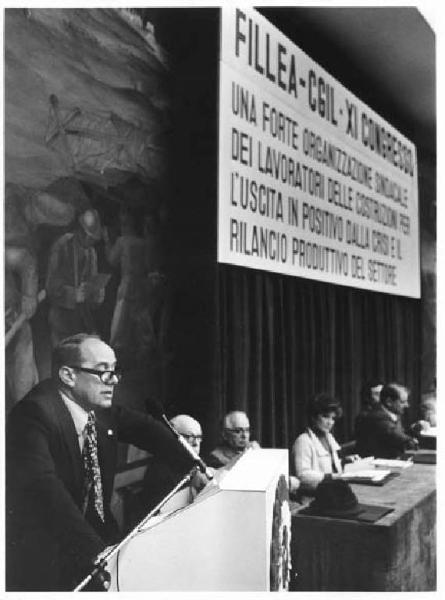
[[107, 376], [239, 430], [190, 437]]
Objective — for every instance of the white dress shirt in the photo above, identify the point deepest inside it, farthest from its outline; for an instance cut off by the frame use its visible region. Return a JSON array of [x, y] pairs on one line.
[[79, 416], [392, 415]]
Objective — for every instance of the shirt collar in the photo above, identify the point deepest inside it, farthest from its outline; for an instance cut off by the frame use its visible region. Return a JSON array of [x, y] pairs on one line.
[[332, 442], [78, 414], [392, 415]]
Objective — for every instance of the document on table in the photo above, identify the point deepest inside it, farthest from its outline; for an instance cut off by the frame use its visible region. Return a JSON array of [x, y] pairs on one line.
[[431, 432], [392, 463], [366, 475], [359, 465]]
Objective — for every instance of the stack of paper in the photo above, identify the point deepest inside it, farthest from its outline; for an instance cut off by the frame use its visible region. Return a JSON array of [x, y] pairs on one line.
[[430, 432], [387, 463], [360, 465], [366, 475]]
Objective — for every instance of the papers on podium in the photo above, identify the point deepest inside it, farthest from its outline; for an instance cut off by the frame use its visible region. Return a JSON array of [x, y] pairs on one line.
[[222, 541]]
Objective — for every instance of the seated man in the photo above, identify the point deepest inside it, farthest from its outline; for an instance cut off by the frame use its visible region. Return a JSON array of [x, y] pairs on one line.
[[424, 427], [428, 410], [235, 439], [379, 432], [160, 477], [428, 416]]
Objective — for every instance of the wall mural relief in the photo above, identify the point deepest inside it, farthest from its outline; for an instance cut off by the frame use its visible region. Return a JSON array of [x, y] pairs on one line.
[[87, 126]]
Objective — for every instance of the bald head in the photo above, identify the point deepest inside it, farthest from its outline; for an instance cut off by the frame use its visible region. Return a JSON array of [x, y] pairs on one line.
[[236, 430], [236, 418], [190, 429]]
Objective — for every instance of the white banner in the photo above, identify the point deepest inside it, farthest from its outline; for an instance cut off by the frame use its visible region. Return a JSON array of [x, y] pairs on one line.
[[312, 182]]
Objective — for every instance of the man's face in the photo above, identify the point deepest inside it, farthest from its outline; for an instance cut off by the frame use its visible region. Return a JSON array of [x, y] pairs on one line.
[[237, 431], [399, 405], [88, 390], [192, 433]]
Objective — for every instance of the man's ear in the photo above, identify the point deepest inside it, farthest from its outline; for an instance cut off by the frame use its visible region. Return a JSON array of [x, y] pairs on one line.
[[67, 376], [224, 434], [389, 403]]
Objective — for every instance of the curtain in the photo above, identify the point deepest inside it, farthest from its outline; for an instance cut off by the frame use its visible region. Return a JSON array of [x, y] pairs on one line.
[[282, 339]]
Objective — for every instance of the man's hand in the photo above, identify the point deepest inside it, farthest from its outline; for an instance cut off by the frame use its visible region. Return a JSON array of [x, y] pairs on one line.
[[105, 552], [413, 444], [350, 458], [100, 582], [419, 426], [200, 480]]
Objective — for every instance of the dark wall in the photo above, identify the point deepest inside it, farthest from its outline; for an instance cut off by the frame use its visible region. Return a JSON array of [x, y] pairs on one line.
[[191, 37], [329, 50]]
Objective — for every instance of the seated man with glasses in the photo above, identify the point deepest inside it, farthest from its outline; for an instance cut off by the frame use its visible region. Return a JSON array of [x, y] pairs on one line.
[[160, 477], [61, 450], [235, 439]]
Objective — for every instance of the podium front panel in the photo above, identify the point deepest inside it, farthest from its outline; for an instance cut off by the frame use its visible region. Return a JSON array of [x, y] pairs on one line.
[[221, 542]]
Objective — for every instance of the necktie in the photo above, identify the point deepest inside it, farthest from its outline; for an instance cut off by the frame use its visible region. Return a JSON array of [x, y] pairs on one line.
[[93, 480]]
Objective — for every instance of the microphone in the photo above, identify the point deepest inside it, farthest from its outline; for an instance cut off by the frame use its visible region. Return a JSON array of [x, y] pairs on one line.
[[156, 409]]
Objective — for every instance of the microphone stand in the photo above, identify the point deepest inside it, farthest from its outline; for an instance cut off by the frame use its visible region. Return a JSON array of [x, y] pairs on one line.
[[100, 564]]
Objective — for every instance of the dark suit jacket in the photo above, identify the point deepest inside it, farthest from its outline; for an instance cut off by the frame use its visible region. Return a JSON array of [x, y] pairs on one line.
[[50, 543], [378, 435]]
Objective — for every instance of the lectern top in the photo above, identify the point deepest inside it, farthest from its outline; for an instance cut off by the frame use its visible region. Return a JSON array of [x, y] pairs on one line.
[[256, 470]]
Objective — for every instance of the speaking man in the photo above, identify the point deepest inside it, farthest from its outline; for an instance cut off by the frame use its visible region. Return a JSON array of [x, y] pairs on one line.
[[61, 447]]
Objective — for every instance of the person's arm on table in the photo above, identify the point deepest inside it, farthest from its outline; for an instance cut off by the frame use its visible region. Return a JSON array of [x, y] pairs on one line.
[[389, 434]]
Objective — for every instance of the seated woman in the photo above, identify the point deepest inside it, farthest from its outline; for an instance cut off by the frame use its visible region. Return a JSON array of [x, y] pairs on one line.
[[315, 452]]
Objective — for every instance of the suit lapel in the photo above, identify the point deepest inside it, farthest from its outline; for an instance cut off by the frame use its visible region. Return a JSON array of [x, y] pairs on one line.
[[321, 450]]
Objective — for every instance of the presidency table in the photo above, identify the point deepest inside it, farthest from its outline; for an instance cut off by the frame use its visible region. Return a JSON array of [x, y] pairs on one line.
[[396, 553]]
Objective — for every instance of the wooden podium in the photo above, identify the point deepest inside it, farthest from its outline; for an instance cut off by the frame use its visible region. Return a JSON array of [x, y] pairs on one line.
[[220, 542]]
